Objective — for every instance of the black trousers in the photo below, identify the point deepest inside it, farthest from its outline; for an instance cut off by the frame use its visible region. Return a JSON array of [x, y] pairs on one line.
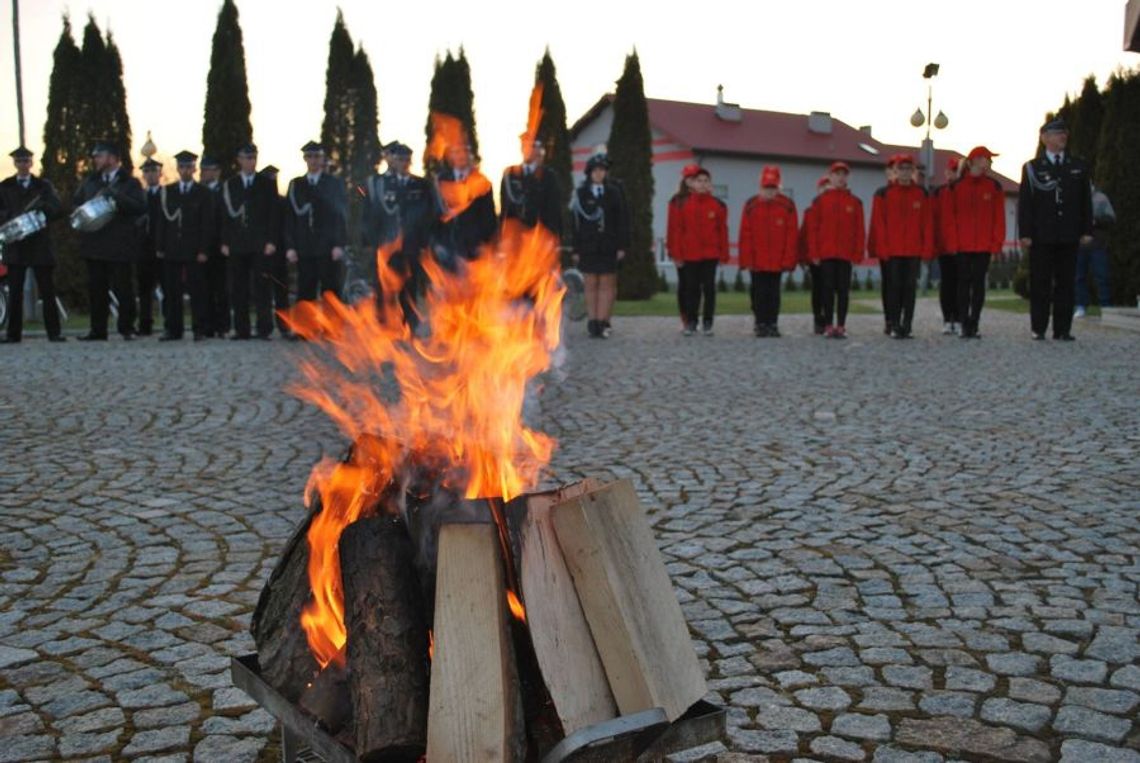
[[765, 297], [217, 294], [17, 274], [835, 276], [180, 278], [816, 293], [251, 270], [902, 280], [697, 292], [102, 277], [146, 278], [948, 288], [407, 264], [972, 267], [885, 289], [278, 275], [316, 275], [1052, 283]]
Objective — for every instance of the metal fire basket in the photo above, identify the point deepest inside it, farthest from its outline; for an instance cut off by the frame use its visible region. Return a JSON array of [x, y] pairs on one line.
[[644, 736]]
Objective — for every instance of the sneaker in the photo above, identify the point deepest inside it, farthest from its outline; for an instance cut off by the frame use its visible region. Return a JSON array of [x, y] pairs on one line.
[[689, 329], [774, 331], [1038, 336], [1079, 312], [757, 329], [840, 332], [607, 329], [819, 328], [948, 328], [957, 328], [707, 330], [829, 332]]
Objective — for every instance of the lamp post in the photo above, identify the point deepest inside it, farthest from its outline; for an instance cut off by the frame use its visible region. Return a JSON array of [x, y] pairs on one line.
[[19, 70], [918, 119]]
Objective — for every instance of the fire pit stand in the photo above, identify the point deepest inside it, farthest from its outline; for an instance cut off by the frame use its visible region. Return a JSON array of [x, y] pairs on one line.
[[647, 735]]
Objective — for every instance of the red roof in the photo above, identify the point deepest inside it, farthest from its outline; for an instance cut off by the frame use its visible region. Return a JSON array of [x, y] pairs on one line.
[[767, 133]]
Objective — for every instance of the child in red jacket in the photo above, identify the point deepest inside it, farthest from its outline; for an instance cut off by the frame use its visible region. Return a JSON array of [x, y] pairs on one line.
[[768, 241], [697, 241], [837, 242], [808, 261], [974, 227], [902, 236]]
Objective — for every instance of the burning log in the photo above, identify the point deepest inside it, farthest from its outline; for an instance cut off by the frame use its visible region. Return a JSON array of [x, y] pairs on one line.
[[287, 664], [387, 640], [475, 712], [634, 615], [327, 698]]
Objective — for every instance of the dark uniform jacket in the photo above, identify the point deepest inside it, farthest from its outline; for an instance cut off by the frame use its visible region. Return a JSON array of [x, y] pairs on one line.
[[185, 222], [316, 217], [248, 216], [601, 225], [395, 209], [36, 249], [117, 241], [466, 214], [146, 224], [531, 198], [1054, 205]]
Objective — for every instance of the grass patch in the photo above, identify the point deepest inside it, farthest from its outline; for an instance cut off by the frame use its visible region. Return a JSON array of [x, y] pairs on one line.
[[731, 303]]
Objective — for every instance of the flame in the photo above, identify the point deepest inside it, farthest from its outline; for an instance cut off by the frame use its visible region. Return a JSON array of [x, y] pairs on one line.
[[534, 115], [449, 136], [516, 607], [431, 644], [451, 399]]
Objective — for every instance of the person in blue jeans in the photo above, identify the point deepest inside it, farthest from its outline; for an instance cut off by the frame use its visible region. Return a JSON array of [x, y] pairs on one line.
[[1092, 259]]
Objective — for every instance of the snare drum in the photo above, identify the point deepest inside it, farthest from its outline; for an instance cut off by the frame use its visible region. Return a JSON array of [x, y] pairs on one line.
[[22, 226], [93, 214]]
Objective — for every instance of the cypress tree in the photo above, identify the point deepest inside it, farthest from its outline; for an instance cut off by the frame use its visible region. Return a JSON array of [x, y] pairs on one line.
[[365, 151], [120, 125], [337, 129], [64, 157], [1087, 115], [630, 148], [465, 100], [553, 126], [225, 122], [95, 106], [451, 94], [1118, 157], [437, 100]]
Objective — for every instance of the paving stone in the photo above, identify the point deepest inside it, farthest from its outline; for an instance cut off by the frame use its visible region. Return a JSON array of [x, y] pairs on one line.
[[969, 679], [840, 749], [73, 745], [1078, 671], [770, 742], [793, 718], [157, 739], [1127, 677], [27, 748], [174, 715], [1081, 721], [1116, 645], [838, 657], [1035, 691], [1082, 751], [961, 735], [824, 698], [908, 677], [1013, 664], [857, 726], [1115, 701], [98, 720], [10, 656], [862, 676], [1021, 715], [1044, 643], [890, 754], [886, 699], [961, 704]]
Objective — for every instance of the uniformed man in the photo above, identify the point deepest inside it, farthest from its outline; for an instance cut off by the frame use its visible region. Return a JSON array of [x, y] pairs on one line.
[[316, 226], [529, 192], [600, 216], [399, 205], [1054, 217], [466, 221], [249, 211], [110, 250], [217, 288], [147, 274], [184, 234], [19, 194], [279, 267]]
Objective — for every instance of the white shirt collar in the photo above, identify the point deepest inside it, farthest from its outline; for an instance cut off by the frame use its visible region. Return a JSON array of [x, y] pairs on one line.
[[1054, 157], [313, 177]]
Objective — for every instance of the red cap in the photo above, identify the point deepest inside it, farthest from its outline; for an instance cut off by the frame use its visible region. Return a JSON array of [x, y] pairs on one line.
[[692, 170], [770, 177], [838, 166], [952, 164], [898, 159], [823, 180], [980, 151]]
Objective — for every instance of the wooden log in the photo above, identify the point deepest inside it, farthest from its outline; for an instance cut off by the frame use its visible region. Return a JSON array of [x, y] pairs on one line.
[[474, 712], [628, 599], [327, 698], [563, 645], [283, 652], [387, 640]]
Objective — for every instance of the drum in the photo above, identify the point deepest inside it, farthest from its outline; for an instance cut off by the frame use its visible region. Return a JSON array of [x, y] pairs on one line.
[[22, 226], [93, 214]]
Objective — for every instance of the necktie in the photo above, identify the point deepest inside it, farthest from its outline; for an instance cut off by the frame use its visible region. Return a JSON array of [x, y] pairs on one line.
[[597, 192], [25, 183], [106, 180], [313, 182], [1057, 160], [185, 188], [246, 181]]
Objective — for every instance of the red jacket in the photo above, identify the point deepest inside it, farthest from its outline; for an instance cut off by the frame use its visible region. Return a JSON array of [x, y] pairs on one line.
[[902, 222], [837, 231], [768, 235], [974, 218], [698, 228]]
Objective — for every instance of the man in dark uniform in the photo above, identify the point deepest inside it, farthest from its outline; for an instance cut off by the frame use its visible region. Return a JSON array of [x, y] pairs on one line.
[[316, 226], [1054, 217], [399, 206], [146, 266], [21, 193], [184, 233], [279, 268], [249, 219], [110, 250], [529, 192], [466, 215], [217, 290]]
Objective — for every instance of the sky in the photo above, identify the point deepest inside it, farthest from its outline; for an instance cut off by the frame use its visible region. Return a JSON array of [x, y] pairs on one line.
[[1004, 63]]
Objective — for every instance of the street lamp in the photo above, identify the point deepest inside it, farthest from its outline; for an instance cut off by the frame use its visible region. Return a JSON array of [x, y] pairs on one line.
[[918, 119]]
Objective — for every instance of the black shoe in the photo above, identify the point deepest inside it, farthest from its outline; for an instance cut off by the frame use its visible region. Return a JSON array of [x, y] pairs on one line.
[[239, 337], [889, 330], [168, 337], [89, 337], [264, 337], [607, 329], [757, 330], [201, 337], [10, 340], [773, 331], [818, 328], [145, 332], [128, 337], [57, 338], [1066, 338]]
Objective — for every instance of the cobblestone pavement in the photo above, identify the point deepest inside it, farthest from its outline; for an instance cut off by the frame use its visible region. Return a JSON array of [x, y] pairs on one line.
[[888, 551]]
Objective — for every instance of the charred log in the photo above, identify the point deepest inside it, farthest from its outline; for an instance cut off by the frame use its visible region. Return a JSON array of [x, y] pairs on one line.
[[327, 698]]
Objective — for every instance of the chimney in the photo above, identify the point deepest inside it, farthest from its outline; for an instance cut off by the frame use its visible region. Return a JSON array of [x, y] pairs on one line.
[[728, 112], [866, 130], [819, 122]]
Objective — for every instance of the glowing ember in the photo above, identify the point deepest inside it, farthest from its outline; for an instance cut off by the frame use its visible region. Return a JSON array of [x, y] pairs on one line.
[[516, 606], [451, 400]]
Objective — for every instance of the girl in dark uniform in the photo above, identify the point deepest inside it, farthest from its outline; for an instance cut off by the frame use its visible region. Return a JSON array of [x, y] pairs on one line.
[[601, 237]]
